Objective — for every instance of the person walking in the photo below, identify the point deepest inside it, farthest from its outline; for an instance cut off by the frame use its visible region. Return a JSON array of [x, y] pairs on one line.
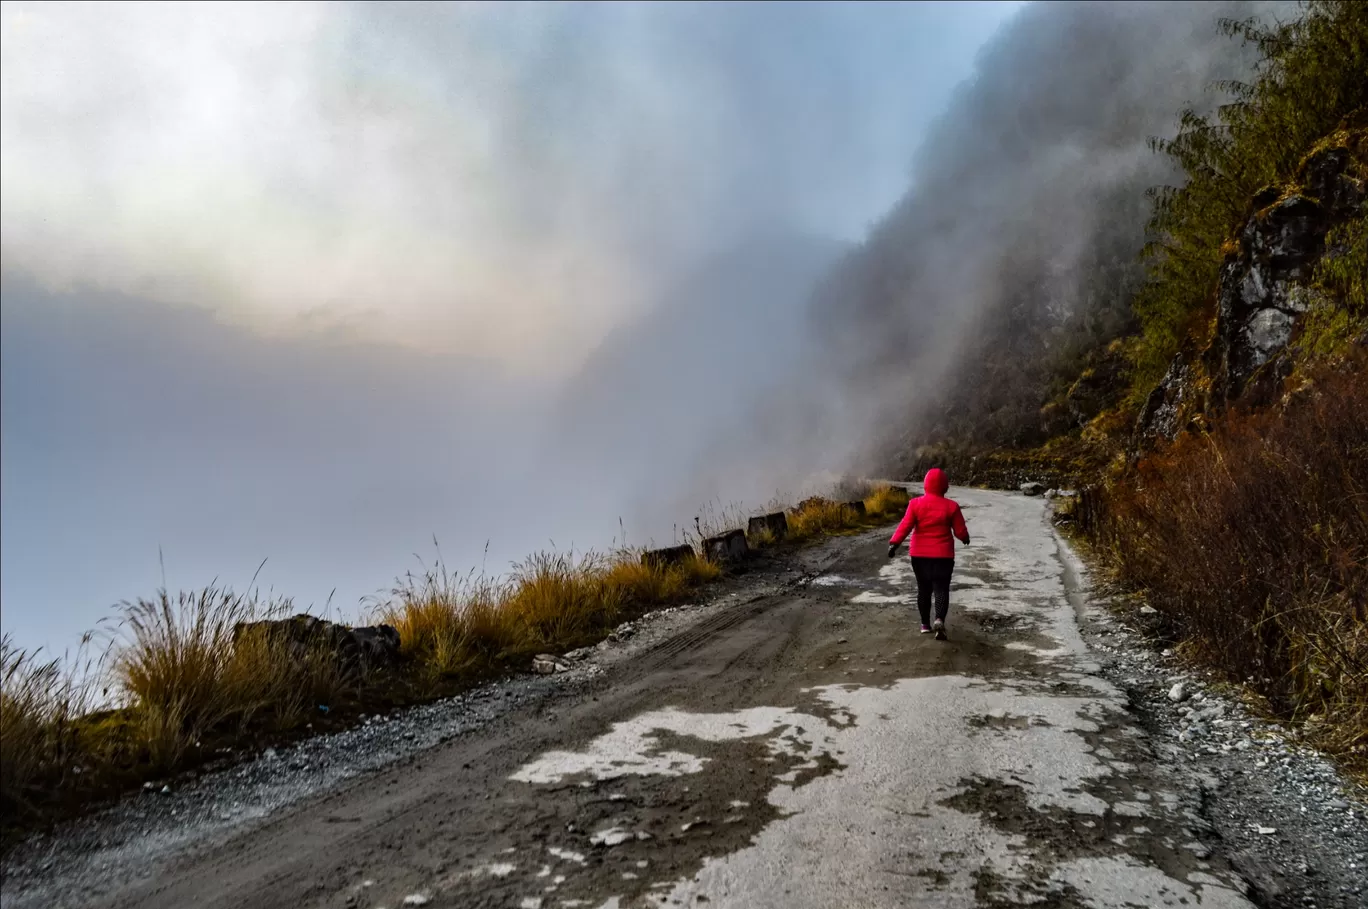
[[931, 518]]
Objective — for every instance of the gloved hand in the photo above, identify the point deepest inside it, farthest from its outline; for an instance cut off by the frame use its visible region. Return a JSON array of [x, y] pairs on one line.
[[892, 550]]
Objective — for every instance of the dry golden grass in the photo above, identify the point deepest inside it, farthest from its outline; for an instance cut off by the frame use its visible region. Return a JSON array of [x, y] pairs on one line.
[[821, 517], [186, 676], [635, 583], [39, 701], [450, 626], [561, 600], [886, 501], [646, 585], [761, 539]]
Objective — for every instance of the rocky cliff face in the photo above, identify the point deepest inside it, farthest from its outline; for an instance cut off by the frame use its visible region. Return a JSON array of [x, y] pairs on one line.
[[1265, 290]]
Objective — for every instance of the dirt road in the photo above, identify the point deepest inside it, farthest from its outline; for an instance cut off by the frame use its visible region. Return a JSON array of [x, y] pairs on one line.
[[804, 749]]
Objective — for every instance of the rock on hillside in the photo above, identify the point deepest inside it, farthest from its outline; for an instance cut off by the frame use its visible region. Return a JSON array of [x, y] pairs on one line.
[[1265, 289]]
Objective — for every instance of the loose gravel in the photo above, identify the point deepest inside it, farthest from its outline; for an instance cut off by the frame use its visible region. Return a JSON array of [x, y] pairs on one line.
[[1292, 824]]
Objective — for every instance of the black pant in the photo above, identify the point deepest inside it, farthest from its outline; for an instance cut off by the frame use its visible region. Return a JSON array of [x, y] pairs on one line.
[[933, 577]]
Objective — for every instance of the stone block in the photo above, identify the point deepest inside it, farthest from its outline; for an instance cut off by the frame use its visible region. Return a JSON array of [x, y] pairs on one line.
[[776, 524], [662, 558], [727, 547]]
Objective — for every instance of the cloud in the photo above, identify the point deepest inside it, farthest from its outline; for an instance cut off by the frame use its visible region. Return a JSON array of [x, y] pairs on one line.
[[318, 281], [462, 177]]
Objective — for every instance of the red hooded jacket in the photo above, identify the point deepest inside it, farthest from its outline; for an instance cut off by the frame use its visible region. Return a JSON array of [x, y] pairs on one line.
[[930, 519]]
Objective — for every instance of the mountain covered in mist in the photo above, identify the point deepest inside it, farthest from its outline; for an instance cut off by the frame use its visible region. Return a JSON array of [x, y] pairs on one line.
[[1015, 252], [659, 389], [1134, 262]]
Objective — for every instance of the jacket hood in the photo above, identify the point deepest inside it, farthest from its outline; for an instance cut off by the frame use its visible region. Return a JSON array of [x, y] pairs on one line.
[[935, 483]]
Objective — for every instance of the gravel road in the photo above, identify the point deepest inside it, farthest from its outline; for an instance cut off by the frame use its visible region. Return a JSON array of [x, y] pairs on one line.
[[792, 743]]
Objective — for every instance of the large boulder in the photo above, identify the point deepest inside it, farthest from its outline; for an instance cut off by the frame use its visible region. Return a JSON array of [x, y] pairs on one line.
[[1265, 287], [358, 651], [1265, 283]]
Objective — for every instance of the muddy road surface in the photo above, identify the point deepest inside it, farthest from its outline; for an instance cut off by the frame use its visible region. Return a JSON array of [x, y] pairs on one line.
[[802, 748]]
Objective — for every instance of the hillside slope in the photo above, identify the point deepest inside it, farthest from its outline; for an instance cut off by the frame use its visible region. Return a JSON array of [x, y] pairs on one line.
[[978, 298], [1218, 417]]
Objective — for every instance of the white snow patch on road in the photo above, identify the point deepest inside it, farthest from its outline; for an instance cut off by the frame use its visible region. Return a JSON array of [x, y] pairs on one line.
[[1125, 882], [897, 577], [567, 855], [882, 821], [633, 747], [898, 572], [613, 836]]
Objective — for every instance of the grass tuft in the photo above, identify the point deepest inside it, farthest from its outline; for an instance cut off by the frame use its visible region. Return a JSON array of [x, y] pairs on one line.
[[449, 624], [188, 677], [560, 600], [886, 501], [39, 702], [762, 538], [821, 517]]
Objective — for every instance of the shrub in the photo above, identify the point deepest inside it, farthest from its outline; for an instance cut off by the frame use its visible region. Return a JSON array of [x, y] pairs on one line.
[[1310, 79], [1253, 542]]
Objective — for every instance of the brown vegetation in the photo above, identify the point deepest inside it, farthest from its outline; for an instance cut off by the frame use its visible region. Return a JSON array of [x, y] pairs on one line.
[[1252, 540]]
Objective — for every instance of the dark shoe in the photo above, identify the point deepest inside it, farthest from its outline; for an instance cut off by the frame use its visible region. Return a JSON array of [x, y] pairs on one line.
[[939, 628], [926, 629]]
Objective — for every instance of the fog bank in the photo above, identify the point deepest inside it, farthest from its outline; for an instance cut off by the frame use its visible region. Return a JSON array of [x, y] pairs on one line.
[[317, 282]]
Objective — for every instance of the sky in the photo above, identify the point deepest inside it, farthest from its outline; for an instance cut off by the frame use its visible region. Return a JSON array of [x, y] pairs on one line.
[[318, 283]]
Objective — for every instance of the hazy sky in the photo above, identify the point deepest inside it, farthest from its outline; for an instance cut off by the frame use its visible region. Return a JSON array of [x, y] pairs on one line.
[[466, 176], [302, 280]]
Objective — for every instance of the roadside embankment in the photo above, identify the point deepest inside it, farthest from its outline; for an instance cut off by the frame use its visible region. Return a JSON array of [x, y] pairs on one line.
[[202, 679]]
